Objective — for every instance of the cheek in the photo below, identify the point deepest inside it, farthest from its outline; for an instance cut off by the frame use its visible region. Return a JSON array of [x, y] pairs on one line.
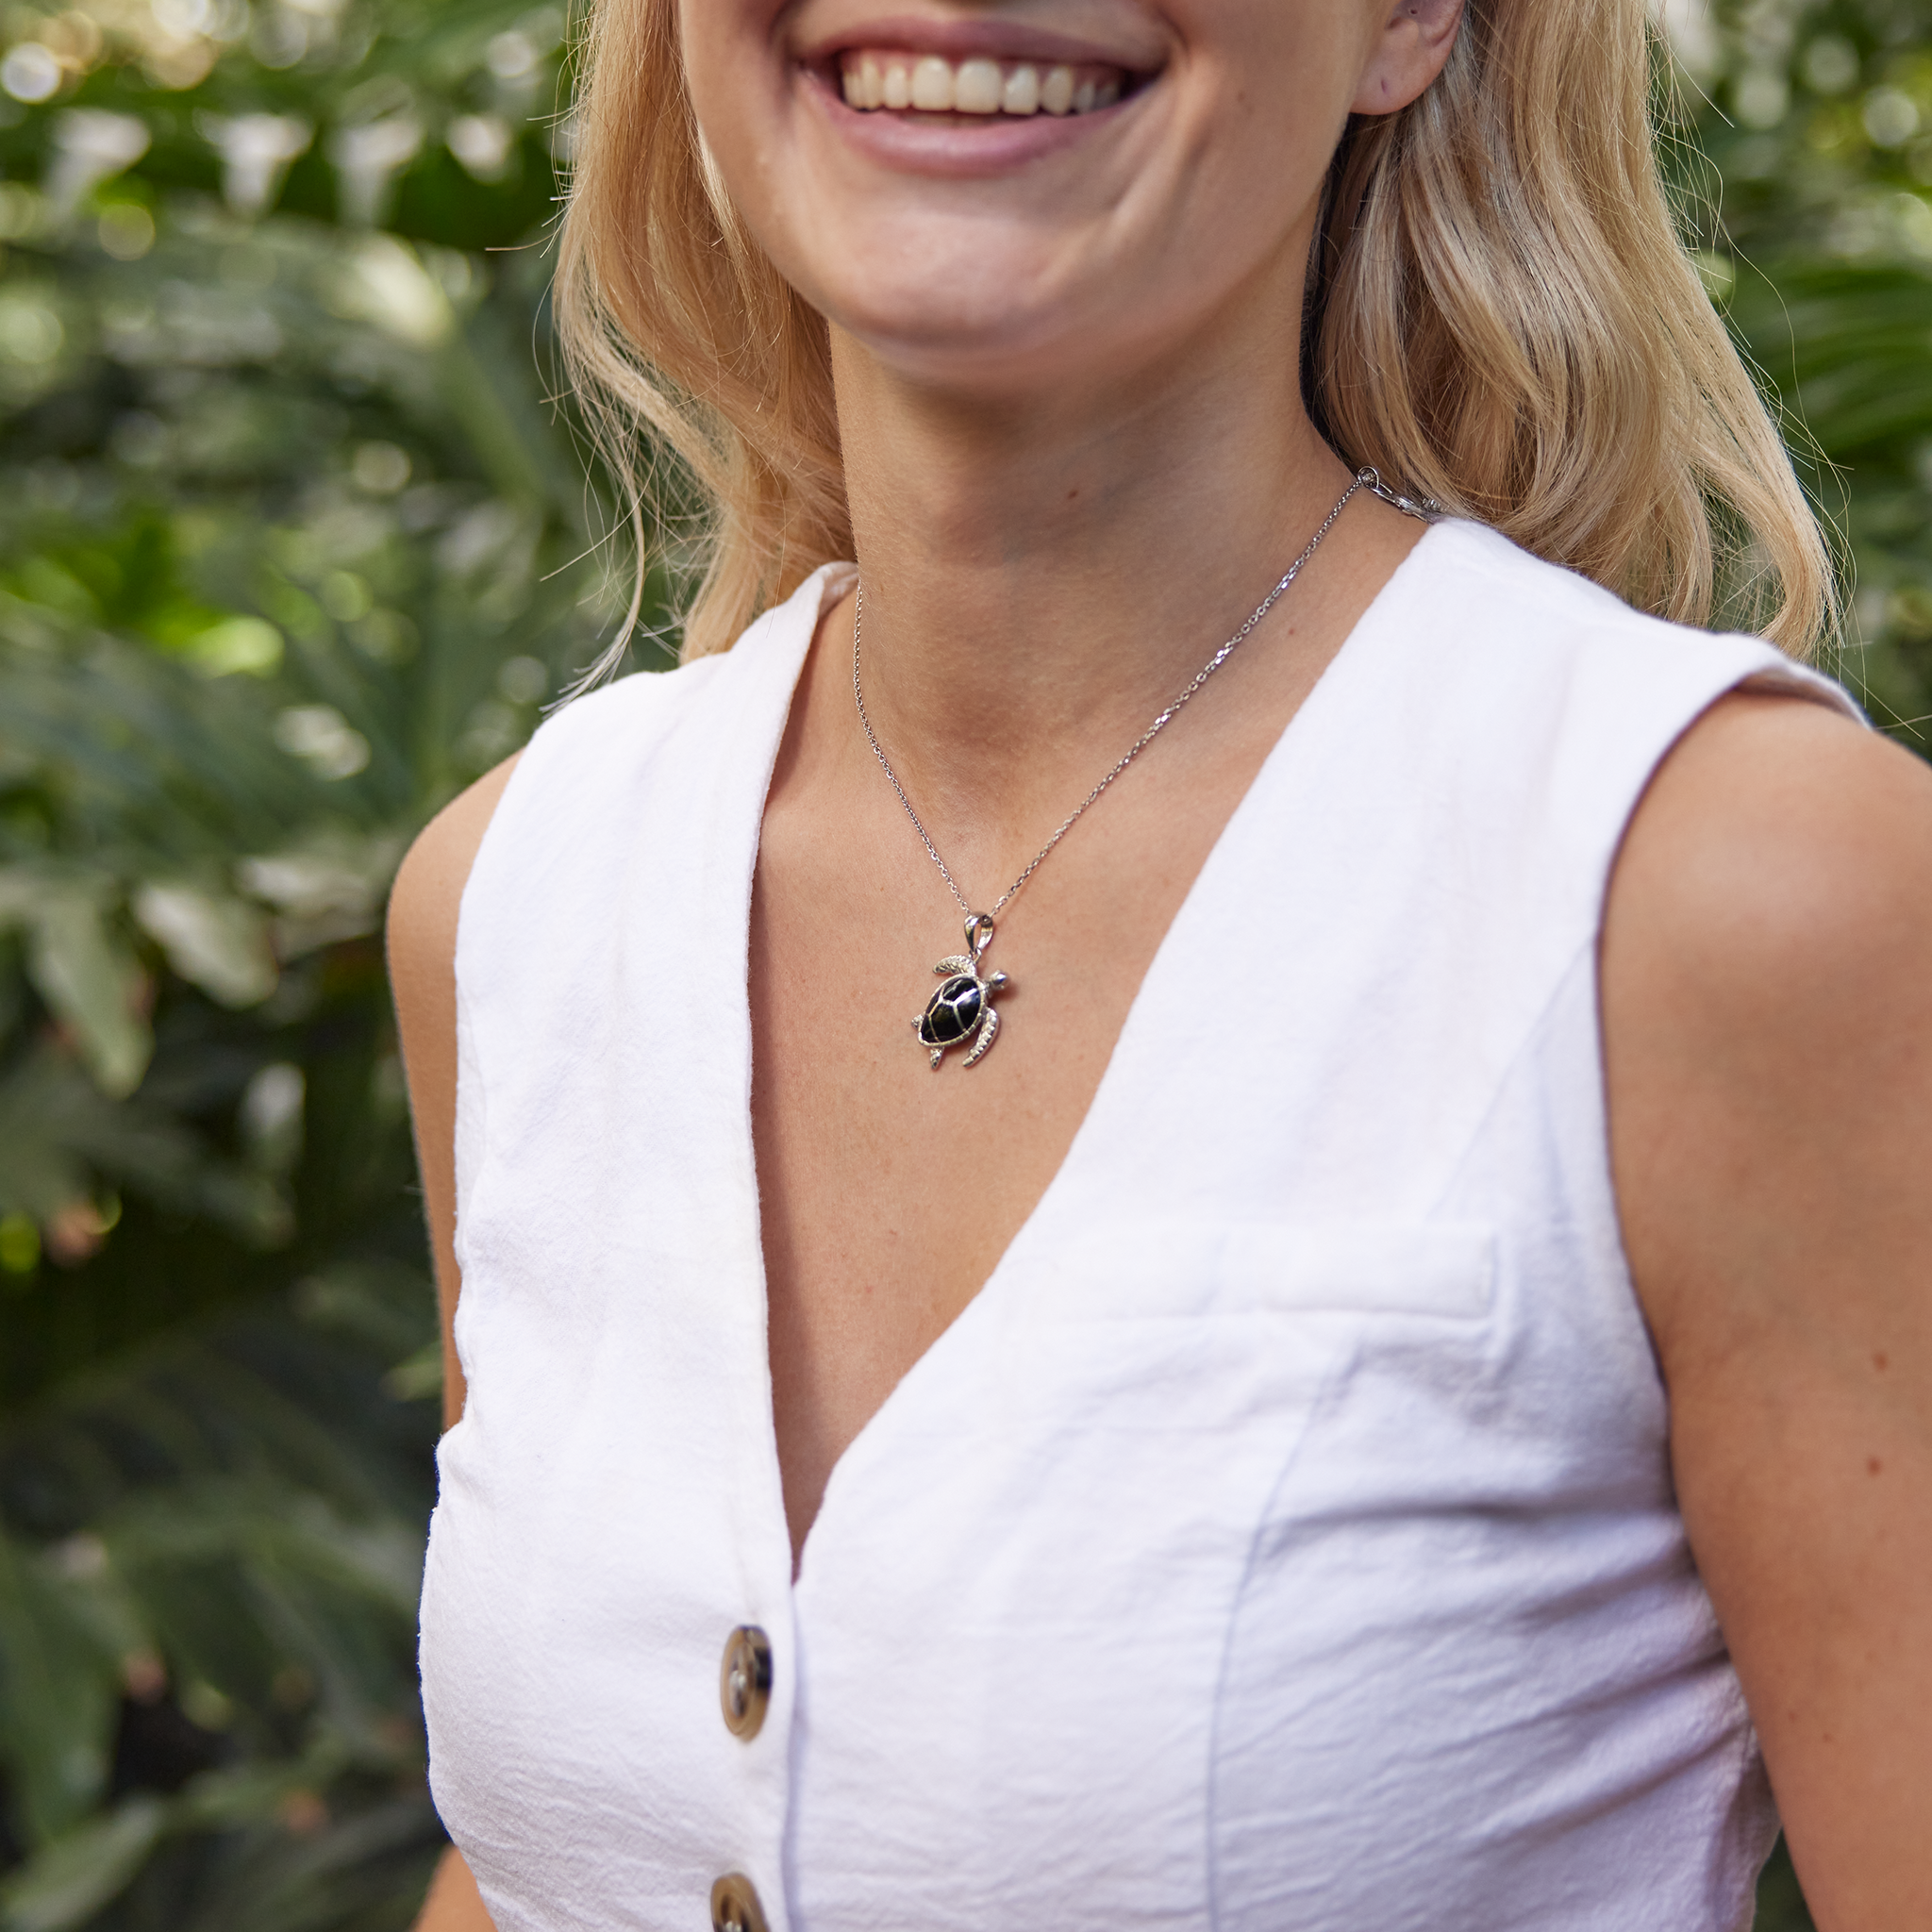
[[1239, 183], [733, 81]]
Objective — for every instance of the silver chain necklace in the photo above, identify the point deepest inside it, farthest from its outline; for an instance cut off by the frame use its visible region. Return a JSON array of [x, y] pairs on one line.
[[963, 1006]]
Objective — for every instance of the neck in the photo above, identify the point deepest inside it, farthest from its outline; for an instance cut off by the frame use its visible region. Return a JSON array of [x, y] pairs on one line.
[[1044, 569]]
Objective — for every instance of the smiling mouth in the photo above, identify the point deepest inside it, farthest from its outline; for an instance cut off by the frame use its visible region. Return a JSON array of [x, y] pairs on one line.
[[876, 80]]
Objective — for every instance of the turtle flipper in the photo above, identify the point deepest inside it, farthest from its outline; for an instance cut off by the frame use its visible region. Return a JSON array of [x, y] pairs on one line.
[[989, 1032], [938, 1053], [957, 962]]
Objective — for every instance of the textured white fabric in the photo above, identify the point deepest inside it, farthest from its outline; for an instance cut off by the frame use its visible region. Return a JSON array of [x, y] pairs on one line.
[[1284, 1538]]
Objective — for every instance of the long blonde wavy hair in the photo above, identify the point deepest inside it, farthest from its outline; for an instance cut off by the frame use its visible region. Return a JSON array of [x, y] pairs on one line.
[[1499, 313]]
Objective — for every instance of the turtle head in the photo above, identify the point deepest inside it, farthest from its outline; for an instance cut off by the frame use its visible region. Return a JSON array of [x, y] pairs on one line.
[[997, 982]]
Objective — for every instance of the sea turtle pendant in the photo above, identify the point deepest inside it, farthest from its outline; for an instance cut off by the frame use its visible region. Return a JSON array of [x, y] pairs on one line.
[[963, 1006]]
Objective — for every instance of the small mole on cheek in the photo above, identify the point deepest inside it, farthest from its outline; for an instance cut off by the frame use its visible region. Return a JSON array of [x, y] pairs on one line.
[[1872, 1465], [1881, 1361]]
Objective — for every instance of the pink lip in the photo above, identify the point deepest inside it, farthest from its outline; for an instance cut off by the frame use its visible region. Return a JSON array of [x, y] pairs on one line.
[[961, 39], [959, 146]]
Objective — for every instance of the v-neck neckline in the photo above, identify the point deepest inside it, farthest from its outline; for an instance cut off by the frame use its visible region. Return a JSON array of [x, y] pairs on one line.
[[1348, 666]]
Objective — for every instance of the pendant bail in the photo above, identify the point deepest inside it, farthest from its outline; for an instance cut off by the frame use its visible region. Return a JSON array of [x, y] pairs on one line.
[[978, 933]]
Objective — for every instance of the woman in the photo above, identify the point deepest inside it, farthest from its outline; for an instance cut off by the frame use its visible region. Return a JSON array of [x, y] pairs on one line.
[[1295, 1388]]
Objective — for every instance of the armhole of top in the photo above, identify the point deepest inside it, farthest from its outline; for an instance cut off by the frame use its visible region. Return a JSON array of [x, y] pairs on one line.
[[1776, 677], [471, 1139], [1787, 680]]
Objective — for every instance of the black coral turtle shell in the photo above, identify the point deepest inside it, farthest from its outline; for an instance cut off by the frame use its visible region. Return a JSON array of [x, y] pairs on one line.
[[952, 1011]]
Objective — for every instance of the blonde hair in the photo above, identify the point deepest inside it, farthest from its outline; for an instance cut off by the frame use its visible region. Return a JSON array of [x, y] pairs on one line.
[[1500, 314]]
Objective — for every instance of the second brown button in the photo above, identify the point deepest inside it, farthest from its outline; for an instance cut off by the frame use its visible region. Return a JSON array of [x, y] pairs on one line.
[[744, 1681], [735, 1906]]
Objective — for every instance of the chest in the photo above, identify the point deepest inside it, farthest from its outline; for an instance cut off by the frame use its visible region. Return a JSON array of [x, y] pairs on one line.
[[890, 1186]]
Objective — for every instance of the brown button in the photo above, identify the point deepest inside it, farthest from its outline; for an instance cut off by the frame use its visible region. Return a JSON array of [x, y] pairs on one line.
[[735, 1905], [745, 1683]]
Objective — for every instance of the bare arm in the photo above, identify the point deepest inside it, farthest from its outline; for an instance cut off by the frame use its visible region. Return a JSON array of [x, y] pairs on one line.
[[1767, 987], [422, 965], [454, 1904]]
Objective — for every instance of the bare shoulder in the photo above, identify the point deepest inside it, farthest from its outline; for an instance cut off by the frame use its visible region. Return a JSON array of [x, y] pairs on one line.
[[1767, 963], [1767, 1009], [1779, 837], [429, 884]]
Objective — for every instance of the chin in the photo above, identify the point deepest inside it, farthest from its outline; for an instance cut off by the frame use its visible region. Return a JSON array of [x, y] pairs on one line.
[[985, 306], [916, 330]]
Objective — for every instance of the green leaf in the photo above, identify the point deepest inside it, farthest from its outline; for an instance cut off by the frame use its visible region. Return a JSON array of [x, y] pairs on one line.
[[92, 982], [218, 943], [417, 1377], [57, 1130], [378, 1560], [59, 1692], [248, 645], [65, 1883]]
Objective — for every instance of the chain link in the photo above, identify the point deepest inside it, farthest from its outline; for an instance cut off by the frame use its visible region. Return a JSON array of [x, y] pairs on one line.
[[1364, 480]]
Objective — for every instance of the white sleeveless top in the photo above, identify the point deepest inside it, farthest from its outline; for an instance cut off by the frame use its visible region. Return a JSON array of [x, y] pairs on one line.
[[1284, 1539]]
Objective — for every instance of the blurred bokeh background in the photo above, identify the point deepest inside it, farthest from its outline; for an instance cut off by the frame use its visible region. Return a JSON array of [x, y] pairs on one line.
[[294, 540]]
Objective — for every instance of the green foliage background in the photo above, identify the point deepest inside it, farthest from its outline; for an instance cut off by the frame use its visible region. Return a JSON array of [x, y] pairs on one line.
[[292, 544]]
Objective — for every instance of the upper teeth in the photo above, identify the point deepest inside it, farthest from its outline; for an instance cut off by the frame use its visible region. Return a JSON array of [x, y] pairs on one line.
[[974, 86]]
